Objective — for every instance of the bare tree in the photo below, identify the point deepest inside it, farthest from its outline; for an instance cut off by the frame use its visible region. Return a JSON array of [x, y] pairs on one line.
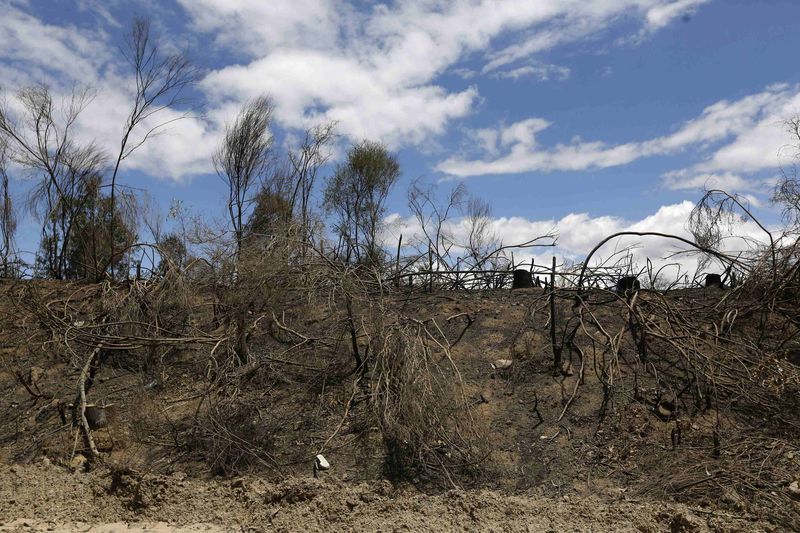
[[161, 81], [243, 158], [434, 219], [305, 162], [41, 141], [787, 191], [481, 241], [715, 215]]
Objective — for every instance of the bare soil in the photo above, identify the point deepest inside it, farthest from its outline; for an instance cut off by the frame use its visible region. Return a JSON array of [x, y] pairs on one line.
[[45, 497], [590, 463]]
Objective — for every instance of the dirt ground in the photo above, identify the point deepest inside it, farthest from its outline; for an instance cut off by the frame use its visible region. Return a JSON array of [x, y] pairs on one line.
[[560, 458], [46, 497]]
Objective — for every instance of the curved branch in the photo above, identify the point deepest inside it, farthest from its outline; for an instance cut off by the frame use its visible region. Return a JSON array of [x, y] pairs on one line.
[[715, 253]]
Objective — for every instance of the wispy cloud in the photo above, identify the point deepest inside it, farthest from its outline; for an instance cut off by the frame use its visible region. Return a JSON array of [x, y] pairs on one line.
[[732, 138], [376, 72], [540, 71]]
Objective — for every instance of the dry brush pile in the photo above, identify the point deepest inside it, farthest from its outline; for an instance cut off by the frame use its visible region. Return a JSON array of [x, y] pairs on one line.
[[259, 353]]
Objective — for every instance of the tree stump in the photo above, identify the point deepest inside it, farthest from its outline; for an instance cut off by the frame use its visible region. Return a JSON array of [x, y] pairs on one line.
[[522, 279], [627, 285]]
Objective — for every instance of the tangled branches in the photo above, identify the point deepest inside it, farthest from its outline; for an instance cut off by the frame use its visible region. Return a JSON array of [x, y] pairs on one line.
[[419, 403]]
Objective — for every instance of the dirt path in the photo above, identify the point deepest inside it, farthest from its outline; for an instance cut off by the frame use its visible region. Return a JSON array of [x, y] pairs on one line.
[[49, 498]]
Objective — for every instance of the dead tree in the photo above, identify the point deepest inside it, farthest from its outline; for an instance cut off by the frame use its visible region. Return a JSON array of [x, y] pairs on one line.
[[305, 163], [160, 81]]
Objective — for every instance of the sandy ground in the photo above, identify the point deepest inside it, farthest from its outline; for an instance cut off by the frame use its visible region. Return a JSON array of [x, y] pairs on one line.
[[51, 498]]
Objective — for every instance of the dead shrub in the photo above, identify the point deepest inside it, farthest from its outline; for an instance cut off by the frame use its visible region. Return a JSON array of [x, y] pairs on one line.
[[419, 404], [233, 435]]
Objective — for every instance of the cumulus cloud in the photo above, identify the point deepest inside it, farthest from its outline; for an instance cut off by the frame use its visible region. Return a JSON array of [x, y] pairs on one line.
[[373, 69], [179, 149], [734, 137], [578, 233]]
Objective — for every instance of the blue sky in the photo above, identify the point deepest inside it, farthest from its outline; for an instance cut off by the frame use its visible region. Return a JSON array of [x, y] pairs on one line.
[[586, 116]]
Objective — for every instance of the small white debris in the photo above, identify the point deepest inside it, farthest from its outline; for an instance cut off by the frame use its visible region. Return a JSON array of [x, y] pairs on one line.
[[322, 463], [502, 364]]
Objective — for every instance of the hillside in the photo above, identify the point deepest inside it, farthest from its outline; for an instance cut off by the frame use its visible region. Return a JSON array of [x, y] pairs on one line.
[[662, 416]]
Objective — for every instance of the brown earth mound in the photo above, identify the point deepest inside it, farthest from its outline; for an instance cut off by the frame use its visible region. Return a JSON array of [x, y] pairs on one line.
[[625, 435]]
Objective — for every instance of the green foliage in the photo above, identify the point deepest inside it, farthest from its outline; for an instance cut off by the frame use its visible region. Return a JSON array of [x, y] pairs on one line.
[[271, 215], [77, 242], [356, 195]]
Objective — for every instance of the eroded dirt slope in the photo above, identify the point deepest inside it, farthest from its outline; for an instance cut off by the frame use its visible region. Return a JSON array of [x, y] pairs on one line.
[[48, 498]]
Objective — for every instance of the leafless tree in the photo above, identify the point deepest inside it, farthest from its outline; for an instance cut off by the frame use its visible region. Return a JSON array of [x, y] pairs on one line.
[[714, 216], [480, 238], [787, 191], [41, 141], [433, 218], [161, 81], [305, 163], [8, 221], [243, 158]]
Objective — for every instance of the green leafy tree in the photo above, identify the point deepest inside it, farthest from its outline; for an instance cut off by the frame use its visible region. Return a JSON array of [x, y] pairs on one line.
[[356, 196]]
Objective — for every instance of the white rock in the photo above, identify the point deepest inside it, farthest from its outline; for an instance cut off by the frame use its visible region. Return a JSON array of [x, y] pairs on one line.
[[322, 463], [502, 364]]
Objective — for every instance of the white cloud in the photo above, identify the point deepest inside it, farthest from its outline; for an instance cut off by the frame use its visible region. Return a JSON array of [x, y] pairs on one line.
[[180, 149], [375, 72], [540, 71], [309, 87], [737, 137], [258, 26], [661, 15], [578, 233], [35, 51], [373, 69], [66, 56], [680, 180]]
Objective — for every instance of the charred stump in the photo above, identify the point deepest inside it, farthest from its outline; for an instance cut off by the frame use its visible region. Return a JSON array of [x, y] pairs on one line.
[[522, 279], [628, 285]]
